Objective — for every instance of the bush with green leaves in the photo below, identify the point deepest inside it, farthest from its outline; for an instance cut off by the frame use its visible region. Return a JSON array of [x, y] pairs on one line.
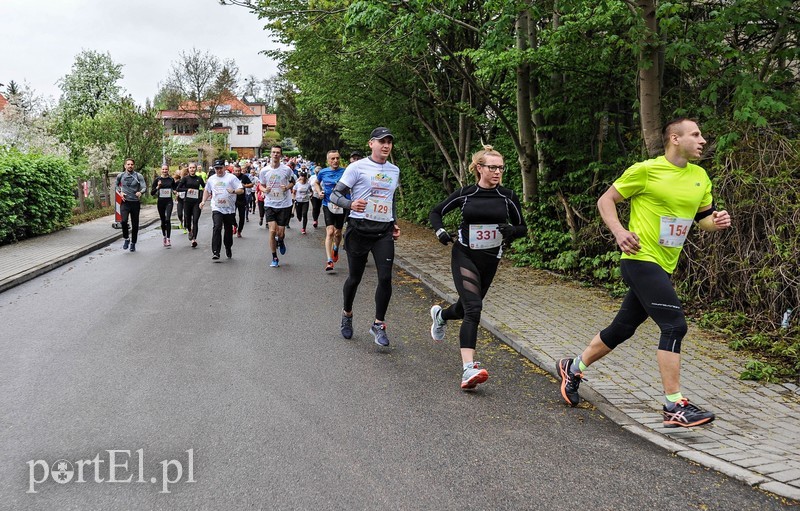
[[36, 194]]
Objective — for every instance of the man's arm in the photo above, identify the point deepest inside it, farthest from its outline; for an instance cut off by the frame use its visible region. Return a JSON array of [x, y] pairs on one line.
[[627, 241], [716, 221]]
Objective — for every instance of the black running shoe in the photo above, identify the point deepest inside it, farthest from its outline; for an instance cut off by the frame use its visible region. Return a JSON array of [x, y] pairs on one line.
[[126, 244], [228, 253], [347, 327], [686, 415], [215, 256], [569, 382]]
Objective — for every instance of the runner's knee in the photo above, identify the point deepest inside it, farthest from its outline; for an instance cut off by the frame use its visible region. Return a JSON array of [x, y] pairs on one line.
[[672, 334]]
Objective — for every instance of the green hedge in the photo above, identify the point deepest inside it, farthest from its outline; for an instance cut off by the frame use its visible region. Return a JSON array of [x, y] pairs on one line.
[[37, 194]]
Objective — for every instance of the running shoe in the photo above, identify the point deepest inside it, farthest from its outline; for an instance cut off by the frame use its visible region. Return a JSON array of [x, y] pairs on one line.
[[378, 331], [239, 235], [169, 243], [473, 375], [274, 263], [569, 382], [215, 256], [438, 324], [126, 244], [686, 415], [194, 243], [315, 224], [164, 242], [302, 231], [329, 266], [234, 229], [133, 247], [228, 253], [347, 326], [281, 246], [335, 254], [261, 222]]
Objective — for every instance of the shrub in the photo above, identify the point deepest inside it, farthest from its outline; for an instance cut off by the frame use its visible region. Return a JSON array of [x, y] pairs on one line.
[[37, 194]]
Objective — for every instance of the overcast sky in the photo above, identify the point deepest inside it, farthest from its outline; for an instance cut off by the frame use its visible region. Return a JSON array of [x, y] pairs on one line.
[[40, 39]]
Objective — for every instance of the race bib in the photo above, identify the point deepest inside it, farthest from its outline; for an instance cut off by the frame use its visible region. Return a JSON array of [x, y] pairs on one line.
[[192, 194], [181, 195], [164, 192], [378, 209], [484, 236], [276, 193], [222, 201], [336, 210], [673, 231]]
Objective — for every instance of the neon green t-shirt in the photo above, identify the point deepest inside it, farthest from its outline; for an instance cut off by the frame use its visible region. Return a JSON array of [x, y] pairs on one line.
[[664, 200]]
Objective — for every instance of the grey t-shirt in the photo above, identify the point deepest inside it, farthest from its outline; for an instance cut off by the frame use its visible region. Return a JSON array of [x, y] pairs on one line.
[[129, 183]]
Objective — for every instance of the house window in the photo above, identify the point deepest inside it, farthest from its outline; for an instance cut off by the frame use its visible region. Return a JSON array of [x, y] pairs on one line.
[[242, 130]]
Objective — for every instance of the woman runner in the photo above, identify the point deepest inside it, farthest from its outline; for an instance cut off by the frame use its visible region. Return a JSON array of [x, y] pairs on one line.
[[163, 188], [490, 216], [191, 186]]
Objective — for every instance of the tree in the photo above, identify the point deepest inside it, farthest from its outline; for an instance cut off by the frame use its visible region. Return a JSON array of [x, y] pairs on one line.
[[91, 85]]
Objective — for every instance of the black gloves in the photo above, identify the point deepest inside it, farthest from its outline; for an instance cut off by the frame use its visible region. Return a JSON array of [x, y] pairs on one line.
[[507, 230], [444, 237]]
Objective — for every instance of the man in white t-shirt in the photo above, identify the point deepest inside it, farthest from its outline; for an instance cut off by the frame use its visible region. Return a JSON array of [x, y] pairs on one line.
[[371, 183], [222, 188], [275, 182]]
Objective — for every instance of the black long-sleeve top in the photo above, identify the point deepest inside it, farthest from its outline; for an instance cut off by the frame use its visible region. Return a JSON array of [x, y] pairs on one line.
[[166, 182], [481, 206], [191, 183]]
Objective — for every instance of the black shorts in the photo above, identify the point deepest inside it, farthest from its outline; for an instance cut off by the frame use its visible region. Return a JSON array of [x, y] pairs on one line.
[[337, 221], [281, 216]]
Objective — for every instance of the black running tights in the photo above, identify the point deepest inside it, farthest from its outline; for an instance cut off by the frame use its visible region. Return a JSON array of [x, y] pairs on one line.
[[473, 272]]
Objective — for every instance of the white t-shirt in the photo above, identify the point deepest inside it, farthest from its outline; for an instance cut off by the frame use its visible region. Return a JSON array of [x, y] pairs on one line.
[[375, 183], [311, 180], [302, 192], [274, 179], [222, 200]]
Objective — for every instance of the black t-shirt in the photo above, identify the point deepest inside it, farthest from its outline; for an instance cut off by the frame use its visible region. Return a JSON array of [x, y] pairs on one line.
[[242, 199]]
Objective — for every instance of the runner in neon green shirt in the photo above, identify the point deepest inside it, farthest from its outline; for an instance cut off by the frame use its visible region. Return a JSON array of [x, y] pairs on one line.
[[667, 195]]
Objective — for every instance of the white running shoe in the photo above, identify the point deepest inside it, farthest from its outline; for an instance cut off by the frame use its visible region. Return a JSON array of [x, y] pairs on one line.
[[438, 324]]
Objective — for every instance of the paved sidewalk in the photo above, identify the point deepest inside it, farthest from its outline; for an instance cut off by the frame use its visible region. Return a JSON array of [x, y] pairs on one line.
[[756, 437], [20, 262]]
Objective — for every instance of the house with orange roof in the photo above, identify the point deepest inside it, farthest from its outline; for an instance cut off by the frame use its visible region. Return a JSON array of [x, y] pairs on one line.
[[243, 126], [3, 102]]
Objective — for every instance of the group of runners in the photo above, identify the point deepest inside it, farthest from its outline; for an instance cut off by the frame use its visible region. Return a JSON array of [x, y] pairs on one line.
[[667, 195]]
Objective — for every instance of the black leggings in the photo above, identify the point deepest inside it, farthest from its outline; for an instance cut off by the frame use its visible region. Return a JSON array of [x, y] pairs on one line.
[[241, 209], [651, 294], [316, 207], [358, 249], [261, 210], [180, 207], [301, 208], [473, 272], [164, 207], [132, 209], [191, 210]]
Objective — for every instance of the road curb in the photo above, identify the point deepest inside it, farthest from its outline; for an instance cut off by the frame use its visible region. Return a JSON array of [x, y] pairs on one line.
[[61, 260], [619, 417]]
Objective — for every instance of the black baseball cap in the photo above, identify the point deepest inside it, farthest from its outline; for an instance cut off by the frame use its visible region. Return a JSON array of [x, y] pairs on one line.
[[356, 153], [219, 163], [380, 132]]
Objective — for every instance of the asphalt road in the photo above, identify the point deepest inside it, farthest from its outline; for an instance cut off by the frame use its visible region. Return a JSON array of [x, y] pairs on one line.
[[237, 371]]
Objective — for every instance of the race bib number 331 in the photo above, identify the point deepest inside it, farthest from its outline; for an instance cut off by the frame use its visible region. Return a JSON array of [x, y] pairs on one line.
[[484, 236]]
